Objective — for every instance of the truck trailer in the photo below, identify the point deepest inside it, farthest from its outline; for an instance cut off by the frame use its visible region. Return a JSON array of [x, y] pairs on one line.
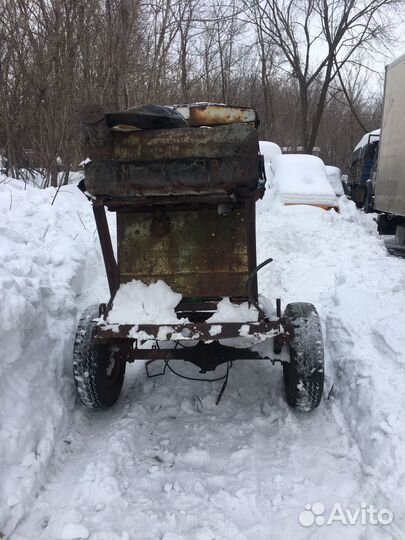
[[390, 178]]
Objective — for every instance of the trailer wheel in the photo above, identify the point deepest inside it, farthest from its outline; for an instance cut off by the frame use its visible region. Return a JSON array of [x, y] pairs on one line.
[[98, 376], [304, 374]]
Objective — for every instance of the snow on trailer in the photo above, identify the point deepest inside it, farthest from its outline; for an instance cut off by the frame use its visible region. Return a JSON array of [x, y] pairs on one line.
[[186, 269]]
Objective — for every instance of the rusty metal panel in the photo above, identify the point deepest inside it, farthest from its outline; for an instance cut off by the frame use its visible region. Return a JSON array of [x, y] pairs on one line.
[[210, 114], [171, 177], [165, 144], [194, 331], [198, 252]]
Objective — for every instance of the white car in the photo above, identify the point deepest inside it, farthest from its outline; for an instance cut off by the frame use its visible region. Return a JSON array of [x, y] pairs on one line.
[[302, 179]]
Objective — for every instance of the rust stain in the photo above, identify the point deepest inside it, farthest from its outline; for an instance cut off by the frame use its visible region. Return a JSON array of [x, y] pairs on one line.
[[197, 252], [185, 143], [212, 115]]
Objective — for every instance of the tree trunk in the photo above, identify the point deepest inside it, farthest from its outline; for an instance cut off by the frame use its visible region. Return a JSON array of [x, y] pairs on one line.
[[303, 90]]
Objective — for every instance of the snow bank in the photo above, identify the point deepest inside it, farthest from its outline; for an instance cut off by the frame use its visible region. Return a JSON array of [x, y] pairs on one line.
[[166, 462], [339, 263], [44, 252], [137, 303], [302, 179]]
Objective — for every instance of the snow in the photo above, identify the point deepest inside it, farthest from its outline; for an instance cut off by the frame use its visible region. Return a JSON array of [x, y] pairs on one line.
[[45, 251], [302, 179], [166, 462], [229, 312], [73, 531], [215, 329], [373, 136], [138, 303], [269, 151], [335, 179], [84, 162]]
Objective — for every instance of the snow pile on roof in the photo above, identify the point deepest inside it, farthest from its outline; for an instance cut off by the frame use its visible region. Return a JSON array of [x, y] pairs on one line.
[[45, 251], [138, 303], [302, 179], [373, 136], [229, 312], [334, 175]]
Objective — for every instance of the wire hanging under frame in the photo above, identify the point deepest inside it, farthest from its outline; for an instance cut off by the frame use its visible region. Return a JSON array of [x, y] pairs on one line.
[[167, 365]]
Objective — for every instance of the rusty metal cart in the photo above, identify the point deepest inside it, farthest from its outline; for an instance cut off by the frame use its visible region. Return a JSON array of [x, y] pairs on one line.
[[184, 182]]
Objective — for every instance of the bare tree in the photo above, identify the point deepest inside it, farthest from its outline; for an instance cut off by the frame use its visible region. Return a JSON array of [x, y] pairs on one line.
[[299, 65], [317, 38]]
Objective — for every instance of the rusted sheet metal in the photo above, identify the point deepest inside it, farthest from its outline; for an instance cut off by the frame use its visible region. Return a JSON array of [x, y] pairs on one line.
[[94, 129], [191, 331], [165, 144], [131, 204], [106, 248], [250, 220], [198, 252], [207, 360], [209, 114], [171, 177]]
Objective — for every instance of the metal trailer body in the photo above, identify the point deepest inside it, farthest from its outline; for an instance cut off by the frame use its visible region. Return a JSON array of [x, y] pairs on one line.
[[390, 178], [184, 195], [185, 205]]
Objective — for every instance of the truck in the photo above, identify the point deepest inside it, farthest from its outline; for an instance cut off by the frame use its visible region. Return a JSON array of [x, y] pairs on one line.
[[362, 169], [389, 184]]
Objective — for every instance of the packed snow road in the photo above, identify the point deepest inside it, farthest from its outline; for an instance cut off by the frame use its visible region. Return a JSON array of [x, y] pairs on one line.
[[166, 462]]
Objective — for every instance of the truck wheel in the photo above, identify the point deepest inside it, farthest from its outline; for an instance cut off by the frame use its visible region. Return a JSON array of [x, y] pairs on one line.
[[304, 374], [368, 203], [358, 193], [98, 376]]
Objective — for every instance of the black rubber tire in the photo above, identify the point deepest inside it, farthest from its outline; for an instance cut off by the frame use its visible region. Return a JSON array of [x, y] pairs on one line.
[[97, 376], [369, 201], [304, 374], [358, 195]]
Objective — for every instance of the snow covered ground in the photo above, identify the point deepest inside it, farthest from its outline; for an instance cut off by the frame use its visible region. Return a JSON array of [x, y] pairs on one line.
[[165, 462]]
